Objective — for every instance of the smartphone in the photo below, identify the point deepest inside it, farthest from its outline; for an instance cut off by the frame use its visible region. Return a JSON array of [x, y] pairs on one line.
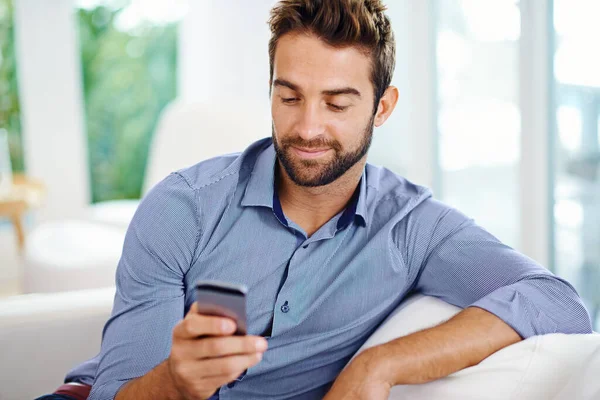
[[224, 300]]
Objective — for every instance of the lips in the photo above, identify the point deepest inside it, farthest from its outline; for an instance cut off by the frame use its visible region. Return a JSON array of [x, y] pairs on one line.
[[311, 150], [309, 153]]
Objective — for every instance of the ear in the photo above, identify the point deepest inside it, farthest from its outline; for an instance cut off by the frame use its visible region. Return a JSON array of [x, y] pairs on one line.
[[386, 105]]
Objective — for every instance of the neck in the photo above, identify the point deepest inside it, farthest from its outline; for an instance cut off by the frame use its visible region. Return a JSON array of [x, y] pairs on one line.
[[312, 207]]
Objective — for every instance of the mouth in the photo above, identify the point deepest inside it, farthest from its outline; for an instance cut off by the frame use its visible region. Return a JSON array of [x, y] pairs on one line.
[[309, 153]]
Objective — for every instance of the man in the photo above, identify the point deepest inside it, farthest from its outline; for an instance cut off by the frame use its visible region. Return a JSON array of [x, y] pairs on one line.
[[327, 244]]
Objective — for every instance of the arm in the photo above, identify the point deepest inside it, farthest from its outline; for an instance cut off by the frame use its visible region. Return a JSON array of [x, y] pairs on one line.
[[466, 266], [204, 357], [149, 350], [149, 300], [156, 384], [463, 341], [506, 297]]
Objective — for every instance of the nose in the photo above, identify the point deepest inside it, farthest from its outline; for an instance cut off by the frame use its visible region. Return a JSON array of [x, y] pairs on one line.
[[310, 123]]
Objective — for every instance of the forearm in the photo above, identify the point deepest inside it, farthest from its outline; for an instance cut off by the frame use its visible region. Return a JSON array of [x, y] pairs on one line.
[[156, 384], [463, 341]]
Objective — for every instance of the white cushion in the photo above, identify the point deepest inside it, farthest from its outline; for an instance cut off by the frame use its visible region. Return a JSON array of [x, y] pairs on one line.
[[71, 255], [44, 335], [555, 366], [208, 130], [117, 213]]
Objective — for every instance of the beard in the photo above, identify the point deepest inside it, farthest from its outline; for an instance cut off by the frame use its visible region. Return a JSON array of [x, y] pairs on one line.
[[313, 173]]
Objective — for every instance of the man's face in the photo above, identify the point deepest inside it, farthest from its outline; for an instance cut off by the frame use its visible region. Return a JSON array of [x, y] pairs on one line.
[[322, 107]]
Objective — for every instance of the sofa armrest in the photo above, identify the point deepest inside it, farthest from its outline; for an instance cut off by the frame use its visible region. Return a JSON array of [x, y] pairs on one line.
[[556, 366], [44, 335]]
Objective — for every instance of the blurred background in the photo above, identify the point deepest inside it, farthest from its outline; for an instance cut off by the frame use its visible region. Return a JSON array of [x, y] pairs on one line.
[[499, 114]]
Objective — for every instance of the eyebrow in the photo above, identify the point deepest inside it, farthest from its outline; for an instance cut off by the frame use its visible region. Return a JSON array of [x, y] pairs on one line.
[[331, 92]]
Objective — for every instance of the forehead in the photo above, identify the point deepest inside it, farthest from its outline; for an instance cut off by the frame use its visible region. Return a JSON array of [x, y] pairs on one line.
[[309, 62]]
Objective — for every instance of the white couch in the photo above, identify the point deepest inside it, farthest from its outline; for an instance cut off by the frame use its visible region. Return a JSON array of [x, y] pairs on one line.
[[43, 335]]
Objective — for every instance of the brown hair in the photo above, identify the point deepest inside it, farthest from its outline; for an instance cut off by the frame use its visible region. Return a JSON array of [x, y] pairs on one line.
[[340, 23]]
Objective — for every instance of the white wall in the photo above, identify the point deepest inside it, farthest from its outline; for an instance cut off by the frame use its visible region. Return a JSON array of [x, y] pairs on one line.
[[406, 143], [223, 55], [51, 104]]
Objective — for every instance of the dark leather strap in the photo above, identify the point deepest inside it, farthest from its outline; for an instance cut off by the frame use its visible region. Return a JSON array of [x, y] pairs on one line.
[[78, 391]]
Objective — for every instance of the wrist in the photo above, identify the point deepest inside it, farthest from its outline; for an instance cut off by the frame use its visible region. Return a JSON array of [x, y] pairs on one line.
[[378, 364], [155, 384], [171, 383]]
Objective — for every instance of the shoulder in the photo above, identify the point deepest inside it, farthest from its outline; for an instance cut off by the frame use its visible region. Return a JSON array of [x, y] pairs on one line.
[[413, 201], [226, 168], [391, 195]]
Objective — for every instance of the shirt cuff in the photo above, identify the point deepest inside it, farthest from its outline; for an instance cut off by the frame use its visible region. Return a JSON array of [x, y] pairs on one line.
[[516, 310]]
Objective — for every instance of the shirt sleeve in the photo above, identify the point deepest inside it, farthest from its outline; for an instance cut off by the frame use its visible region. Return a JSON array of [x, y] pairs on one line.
[[159, 247], [459, 262]]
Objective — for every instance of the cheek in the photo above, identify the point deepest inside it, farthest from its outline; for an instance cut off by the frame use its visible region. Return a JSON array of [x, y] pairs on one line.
[[283, 118], [274, 107], [347, 131]]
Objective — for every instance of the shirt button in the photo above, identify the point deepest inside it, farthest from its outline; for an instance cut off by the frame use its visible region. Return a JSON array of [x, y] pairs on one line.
[[285, 308], [305, 246]]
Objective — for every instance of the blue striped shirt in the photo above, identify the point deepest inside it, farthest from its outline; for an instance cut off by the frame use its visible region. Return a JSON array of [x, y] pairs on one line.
[[316, 299]]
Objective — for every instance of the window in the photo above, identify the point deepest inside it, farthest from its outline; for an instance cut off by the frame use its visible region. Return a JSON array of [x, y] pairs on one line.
[[9, 96], [129, 59], [478, 116], [576, 160]]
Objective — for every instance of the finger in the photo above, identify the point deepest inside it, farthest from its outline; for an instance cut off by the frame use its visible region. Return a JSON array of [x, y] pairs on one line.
[[193, 309], [213, 347], [228, 366], [194, 325]]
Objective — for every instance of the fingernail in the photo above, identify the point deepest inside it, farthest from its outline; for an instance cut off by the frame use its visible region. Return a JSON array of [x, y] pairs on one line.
[[227, 326], [261, 344]]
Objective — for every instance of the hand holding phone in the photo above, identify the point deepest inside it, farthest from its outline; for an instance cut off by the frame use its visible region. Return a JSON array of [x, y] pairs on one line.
[[206, 354]]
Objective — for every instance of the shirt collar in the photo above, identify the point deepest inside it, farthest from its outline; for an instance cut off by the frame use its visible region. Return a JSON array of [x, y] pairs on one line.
[[260, 191], [260, 188]]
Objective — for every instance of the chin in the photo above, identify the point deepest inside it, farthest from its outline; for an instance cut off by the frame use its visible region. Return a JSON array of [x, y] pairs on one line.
[[307, 179]]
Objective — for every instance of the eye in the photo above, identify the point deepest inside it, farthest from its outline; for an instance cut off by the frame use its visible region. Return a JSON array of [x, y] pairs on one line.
[[337, 108], [289, 100]]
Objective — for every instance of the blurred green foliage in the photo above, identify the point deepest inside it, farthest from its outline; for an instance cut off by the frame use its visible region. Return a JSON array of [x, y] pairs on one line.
[[9, 94], [128, 78]]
